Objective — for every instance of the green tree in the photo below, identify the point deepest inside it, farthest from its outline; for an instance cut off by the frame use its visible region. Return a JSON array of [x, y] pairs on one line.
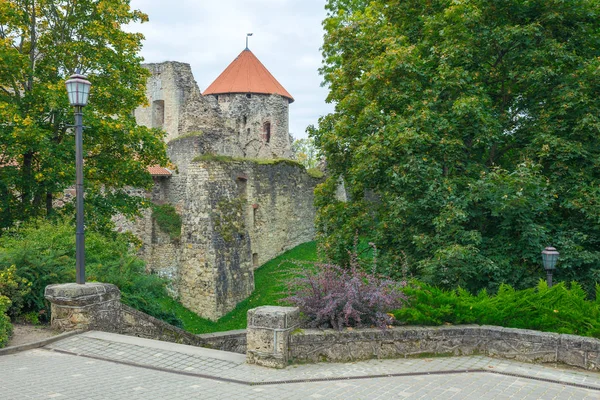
[[42, 42], [468, 135], [305, 151]]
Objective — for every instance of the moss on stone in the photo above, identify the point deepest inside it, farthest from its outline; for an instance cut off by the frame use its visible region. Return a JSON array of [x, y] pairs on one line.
[[213, 157], [315, 173], [187, 135], [167, 219], [228, 218], [259, 161]]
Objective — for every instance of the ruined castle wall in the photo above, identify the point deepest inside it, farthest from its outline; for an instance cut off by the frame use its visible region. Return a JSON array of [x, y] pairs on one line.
[[260, 123], [170, 89], [236, 215], [281, 212], [215, 270]]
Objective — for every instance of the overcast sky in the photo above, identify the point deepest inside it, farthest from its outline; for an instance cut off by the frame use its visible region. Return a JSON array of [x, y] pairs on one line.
[[210, 34]]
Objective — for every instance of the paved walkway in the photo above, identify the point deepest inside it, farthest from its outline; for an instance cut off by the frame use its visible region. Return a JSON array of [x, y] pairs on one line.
[[97, 365]]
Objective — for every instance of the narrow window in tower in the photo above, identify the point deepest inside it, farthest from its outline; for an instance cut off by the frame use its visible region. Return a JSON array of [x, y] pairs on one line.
[[158, 114], [245, 120], [249, 95], [267, 131]]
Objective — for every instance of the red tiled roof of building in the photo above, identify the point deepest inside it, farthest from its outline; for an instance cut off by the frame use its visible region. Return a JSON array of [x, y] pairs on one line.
[[155, 170], [246, 74]]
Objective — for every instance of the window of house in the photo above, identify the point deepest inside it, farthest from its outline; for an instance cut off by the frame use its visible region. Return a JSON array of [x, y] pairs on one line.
[[245, 119], [249, 95]]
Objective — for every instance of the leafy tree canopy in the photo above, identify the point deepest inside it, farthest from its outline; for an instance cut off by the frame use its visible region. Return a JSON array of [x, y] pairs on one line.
[[468, 135], [42, 42], [306, 153]]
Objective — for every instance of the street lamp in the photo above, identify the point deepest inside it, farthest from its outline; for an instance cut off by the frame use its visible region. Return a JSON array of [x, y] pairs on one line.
[[78, 88], [549, 257]]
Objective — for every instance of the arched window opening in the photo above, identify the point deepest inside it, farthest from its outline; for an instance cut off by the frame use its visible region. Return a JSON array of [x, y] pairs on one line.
[[245, 119]]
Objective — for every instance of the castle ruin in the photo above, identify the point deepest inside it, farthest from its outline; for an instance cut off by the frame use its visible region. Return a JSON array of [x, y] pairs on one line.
[[241, 200]]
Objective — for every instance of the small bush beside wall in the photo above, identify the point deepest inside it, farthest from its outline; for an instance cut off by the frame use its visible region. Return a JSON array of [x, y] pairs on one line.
[[5, 325], [561, 308], [43, 253], [167, 219], [334, 297]]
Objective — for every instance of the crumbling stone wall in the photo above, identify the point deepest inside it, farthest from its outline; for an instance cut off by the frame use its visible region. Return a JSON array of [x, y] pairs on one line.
[[168, 90], [236, 215], [238, 125], [260, 123]]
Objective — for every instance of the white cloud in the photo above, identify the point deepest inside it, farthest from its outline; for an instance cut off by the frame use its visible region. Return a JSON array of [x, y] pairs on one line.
[[210, 34]]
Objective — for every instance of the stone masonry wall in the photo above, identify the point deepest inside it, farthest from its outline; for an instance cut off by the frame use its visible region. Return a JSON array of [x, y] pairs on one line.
[[168, 89], [215, 270], [314, 345], [248, 115], [236, 215]]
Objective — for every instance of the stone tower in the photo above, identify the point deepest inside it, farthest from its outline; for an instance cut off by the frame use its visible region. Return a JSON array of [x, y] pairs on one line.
[[237, 209], [255, 106]]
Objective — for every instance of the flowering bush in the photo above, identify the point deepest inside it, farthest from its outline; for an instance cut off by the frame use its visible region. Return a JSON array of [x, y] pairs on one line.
[[334, 297]]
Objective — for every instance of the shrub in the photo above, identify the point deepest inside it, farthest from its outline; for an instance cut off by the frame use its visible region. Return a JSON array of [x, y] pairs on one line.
[[5, 326], [561, 308], [44, 253], [334, 297], [168, 220], [15, 288]]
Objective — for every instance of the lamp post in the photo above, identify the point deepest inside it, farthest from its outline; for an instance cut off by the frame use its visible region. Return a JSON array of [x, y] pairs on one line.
[[549, 258], [78, 88]]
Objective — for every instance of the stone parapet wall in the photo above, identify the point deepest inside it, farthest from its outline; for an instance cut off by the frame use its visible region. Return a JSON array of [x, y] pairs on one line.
[[313, 345], [233, 341], [97, 306], [137, 323]]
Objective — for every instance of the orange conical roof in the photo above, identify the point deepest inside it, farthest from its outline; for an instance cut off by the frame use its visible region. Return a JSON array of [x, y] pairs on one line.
[[246, 74]]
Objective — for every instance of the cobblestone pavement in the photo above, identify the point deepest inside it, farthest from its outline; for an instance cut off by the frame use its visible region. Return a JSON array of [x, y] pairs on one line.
[[97, 365]]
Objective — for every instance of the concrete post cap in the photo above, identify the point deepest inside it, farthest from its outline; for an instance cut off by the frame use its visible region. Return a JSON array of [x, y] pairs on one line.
[[80, 295]]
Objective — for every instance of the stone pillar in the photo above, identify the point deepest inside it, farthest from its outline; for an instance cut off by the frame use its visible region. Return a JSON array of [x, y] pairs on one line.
[[88, 306], [268, 335]]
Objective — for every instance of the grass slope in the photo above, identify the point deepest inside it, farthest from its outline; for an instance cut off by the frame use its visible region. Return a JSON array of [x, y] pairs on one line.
[[270, 286]]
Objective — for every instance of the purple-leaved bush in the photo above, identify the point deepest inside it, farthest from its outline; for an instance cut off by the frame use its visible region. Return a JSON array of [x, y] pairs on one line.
[[334, 297]]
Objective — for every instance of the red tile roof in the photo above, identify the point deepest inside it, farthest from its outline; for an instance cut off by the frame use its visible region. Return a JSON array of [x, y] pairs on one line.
[[159, 171], [246, 74]]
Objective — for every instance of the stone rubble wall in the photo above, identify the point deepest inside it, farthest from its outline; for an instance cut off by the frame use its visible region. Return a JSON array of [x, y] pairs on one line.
[[171, 83], [231, 124], [211, 266], [215, 270], [97, 306], [233, 341], [313, 345]]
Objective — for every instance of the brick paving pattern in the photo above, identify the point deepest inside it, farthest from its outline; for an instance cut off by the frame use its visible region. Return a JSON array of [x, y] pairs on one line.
[[50, 373]]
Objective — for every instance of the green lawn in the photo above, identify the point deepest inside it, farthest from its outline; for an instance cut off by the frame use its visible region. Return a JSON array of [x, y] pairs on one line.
[[270, 287]]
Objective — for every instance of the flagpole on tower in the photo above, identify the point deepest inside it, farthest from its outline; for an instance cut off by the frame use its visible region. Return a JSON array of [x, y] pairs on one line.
[[247, 35]]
